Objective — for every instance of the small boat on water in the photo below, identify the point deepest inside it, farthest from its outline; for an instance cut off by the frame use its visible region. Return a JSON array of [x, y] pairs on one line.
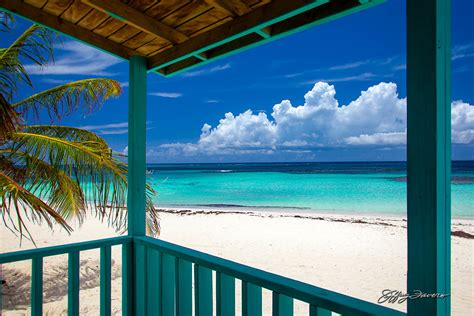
[[149, 172]]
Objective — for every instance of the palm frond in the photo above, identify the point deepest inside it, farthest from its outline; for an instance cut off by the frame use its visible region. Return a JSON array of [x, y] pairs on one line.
[[6, 21], [49, 183], [102, 178], [9, 119], [34, 45], [17, 203], [65, 99]]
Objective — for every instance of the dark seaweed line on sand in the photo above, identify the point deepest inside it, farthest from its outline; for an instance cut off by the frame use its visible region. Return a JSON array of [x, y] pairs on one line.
[[456, 233]]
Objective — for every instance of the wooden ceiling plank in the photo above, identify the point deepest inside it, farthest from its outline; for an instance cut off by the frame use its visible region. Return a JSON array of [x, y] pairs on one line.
[[318, 15], [53, 22], [231, 7], [138, 19], [261, 17]]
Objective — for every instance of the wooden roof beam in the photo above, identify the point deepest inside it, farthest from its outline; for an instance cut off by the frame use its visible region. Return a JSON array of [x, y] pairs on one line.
[[258, 18], [323, 13], [138, 19], [230, 7], [57, 24]]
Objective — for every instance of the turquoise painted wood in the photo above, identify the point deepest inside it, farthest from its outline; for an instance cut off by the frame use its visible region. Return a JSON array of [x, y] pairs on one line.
[[282, 305], [184, 299], [127, 280], [251, 299], [140, 272], [36, 287], [203, 291], [225, 295], [168, 287], [136, 178], [73, 283], [153, 282], [105, 280], [265, 38], [317, 311], [298, 290], [62, 249], [136, 146], [429, 154]]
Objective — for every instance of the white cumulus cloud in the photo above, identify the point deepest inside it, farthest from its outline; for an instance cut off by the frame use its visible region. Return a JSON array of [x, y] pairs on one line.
[[376, 118]]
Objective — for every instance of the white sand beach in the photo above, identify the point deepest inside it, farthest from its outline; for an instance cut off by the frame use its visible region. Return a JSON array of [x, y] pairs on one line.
[[356, 255]]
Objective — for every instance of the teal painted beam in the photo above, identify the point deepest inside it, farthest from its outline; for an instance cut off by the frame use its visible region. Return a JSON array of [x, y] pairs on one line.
[[281, 305], [136, 198], [36, 287], [105, 280], [275, 36], [251, 299], [136, 146], [73, 267], [62, 249], [429, 154]]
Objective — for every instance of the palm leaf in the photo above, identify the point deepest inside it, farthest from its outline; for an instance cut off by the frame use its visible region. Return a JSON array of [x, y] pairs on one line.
[[65, 99], [34, 45], [17, 203], [51, 184], [6, 21], [9, 119]]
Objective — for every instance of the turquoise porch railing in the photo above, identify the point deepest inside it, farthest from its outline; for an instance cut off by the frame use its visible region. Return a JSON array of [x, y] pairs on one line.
[[166, 272]]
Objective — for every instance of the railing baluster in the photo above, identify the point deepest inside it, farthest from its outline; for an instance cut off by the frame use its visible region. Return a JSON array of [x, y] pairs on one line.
[[282, 305], [140, 296], [37, 286], [153, 282], [105, 280], [184, 281], [203, 290], [73, 283], [251, 299], [318, 311], [225, 295], [168, 287], [127, 279]]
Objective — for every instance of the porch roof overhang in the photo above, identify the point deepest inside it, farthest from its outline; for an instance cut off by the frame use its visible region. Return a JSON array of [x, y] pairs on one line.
[[176, 35]]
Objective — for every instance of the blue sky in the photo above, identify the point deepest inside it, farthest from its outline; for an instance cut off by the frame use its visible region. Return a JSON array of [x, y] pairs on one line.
[[345, 82]]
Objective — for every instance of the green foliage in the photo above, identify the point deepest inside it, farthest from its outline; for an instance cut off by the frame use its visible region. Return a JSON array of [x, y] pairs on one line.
[[52, 173]]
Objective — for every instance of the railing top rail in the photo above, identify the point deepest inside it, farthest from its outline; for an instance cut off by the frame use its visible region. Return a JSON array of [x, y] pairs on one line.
[[299, 290], [62, 249]]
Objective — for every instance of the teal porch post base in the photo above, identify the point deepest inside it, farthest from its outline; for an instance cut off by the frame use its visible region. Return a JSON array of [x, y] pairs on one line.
[[136, 183], [429, 154]]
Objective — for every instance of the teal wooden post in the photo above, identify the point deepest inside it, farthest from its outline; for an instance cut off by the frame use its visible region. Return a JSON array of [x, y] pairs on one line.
[[184, 284], [281, 305], [37, 287], [74, 265], [251, 299], [203, 298], [105, 280], [136, 180], [429, 154], [225, 295]]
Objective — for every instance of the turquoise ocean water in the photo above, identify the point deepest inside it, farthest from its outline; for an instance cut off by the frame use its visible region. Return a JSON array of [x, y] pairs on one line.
[[358, 188]]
